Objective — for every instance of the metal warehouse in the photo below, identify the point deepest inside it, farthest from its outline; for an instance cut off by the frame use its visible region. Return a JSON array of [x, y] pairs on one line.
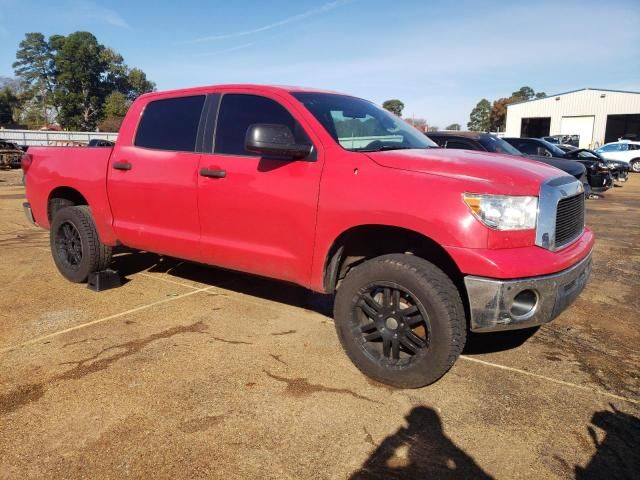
[[598, 116]]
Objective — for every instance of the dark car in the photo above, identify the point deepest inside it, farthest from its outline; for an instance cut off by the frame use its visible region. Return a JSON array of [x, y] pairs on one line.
[[487, 142], [619, 170], [100, 142], [598, 174]]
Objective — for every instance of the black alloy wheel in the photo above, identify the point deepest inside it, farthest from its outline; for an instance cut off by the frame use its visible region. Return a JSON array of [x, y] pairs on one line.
[[68, 245], [394, 325]]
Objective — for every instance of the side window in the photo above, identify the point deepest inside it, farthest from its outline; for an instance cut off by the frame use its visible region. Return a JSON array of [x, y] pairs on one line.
[[459, 145], [239, 111], [528, 148], [170, 124]]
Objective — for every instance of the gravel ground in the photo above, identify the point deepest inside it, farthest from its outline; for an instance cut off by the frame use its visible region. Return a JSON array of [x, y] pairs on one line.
[[194, 372]]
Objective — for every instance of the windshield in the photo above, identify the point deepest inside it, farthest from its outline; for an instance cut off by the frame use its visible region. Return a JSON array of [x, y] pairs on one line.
[[497, 145], [360, 126], [587, 154]]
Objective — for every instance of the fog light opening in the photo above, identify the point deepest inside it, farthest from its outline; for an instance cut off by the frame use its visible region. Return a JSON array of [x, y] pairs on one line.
[[524, 304]]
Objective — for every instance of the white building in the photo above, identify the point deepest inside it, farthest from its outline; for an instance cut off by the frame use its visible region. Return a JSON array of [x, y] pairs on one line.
[[598, 116]]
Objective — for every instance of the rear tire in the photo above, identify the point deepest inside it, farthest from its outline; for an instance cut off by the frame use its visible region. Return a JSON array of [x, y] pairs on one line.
[[76, 248], [400, 320], [635, 166]]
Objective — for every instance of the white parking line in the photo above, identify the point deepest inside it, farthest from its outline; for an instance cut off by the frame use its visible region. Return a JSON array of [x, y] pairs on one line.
[[550, 379], [100, 320]]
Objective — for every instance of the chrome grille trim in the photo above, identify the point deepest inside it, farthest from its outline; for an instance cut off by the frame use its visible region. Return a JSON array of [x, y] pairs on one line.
[[551, 192]]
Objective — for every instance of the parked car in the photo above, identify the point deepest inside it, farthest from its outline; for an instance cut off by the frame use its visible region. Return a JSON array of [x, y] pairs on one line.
[[598, 175], [100, 142], [626, 151], [10, 154], [333, 193], [619, 170], [487, 142], [573, 140]]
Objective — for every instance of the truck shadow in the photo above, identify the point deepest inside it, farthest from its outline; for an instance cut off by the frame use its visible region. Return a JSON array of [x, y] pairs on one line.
[[618, 451], [129, 262], [420, 450]]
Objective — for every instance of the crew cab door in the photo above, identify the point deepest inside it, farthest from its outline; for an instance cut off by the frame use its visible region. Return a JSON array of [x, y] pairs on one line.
[[257, 214], [152, 178]]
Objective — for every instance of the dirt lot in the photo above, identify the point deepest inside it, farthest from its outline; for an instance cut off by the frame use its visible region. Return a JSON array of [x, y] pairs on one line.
[[188, 372]]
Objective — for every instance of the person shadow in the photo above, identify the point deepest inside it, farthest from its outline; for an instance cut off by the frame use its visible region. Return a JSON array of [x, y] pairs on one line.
[[618, 453], [421, 450]]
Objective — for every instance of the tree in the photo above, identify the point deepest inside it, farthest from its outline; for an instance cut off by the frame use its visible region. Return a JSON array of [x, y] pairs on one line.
[[498, 115], [524, 93], [110, 124], [116, 72], [139, 84], [453, 126], [115, 108], [116, 105], [395, 106], [433, 128], [80, 92], [71, 78], [479, 117], [34, 64], [9, 106]]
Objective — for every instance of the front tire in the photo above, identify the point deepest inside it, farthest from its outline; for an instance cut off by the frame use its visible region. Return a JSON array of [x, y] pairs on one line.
[[400, 320], [635, 166], [75, 245]]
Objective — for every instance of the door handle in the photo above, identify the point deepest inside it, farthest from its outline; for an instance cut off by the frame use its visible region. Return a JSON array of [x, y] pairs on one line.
[[121, 165], [211, 173]]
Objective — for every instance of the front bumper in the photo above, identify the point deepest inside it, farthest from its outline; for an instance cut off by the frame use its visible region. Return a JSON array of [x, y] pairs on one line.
[[511, 304], [601, 182]]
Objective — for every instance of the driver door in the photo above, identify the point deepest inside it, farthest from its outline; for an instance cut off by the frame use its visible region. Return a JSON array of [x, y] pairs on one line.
[[257, 214]]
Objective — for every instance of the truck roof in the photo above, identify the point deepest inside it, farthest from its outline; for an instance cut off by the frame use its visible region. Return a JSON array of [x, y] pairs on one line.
[[258, 87]]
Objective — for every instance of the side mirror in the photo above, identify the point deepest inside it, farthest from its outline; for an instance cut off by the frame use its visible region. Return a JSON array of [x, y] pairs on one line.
[[272, 139]]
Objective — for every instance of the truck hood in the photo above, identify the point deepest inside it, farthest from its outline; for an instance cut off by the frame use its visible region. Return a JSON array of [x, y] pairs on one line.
[[490, 172]]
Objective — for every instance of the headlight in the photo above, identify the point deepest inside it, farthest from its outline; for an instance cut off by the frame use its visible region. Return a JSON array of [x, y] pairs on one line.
[[503, 212]]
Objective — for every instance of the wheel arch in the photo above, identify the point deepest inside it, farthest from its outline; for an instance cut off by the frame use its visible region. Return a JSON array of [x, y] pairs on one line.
[[69, 194], [362, 242]]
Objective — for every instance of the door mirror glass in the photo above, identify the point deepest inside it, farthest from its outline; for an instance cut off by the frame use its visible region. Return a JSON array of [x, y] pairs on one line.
[[274, 139]]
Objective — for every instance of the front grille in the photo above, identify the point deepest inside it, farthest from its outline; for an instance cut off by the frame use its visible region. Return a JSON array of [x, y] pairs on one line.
[[569, 219]]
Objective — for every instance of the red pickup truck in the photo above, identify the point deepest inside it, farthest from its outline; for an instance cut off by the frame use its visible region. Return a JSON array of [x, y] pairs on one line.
[[420, 244]]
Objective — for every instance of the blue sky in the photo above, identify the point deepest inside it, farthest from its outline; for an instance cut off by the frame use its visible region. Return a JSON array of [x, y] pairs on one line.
[[439, 57]]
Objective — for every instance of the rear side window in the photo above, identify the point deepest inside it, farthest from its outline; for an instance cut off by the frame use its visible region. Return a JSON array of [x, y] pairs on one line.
[[239, 111], [170, 124]]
